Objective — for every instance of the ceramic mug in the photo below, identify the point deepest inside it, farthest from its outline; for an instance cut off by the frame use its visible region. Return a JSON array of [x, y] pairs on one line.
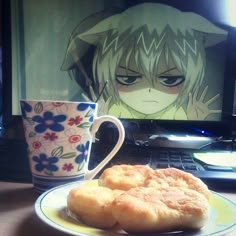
[[59, 137]]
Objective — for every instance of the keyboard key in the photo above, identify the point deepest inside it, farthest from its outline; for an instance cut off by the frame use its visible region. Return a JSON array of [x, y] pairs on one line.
[[162, 159], [190, 167], [162, 165], [175, 159], [177, 165], [187, 160]]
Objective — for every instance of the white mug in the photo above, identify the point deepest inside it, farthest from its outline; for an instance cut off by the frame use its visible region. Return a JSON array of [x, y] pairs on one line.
[[59, 136]]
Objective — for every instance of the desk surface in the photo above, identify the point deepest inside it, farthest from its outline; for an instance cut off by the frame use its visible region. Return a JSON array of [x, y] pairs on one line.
[[17, 216]]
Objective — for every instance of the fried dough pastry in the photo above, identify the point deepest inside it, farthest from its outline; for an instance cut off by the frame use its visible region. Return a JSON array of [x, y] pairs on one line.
[[124, 176], [92, 205], [147, 209], [142, 200], [172, 177]]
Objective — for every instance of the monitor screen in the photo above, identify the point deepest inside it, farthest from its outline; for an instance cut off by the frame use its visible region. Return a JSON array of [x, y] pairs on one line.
[[156, 65], [154, 61], [168, 63], [159, 66]]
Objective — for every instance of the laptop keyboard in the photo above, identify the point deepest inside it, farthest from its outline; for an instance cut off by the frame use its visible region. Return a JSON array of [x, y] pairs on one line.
[[215, 176], [160, 158], [155, 158], [177, 159]]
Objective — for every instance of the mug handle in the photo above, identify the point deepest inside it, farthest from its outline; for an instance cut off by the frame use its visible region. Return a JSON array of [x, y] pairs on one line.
[[97, 122]]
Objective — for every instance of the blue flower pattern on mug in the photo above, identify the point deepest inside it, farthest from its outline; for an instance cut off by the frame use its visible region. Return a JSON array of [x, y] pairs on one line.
[[49, 121], [45, 163], [83, 149], [84, 106], [46, 120]]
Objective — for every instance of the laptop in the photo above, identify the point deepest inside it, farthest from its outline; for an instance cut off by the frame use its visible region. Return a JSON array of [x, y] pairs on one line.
[[213, 161]]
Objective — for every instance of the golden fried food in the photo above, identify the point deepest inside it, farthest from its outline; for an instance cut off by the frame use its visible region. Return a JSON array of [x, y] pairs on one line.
[[147, 209], [124, 176], [92, 205], [176, 178], [142, 200]]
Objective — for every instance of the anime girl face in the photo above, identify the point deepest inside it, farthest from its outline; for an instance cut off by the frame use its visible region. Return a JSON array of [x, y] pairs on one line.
[[152, 56], [151, 95]]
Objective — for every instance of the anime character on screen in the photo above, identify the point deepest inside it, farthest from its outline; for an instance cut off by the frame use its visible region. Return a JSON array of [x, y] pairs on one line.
[[150, 56]]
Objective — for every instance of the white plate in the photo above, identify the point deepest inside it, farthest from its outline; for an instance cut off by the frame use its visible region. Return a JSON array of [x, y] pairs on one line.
[[51, 208]]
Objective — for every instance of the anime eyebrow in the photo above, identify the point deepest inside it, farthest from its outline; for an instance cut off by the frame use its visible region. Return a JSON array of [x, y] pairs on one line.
[[136, 72], [166, 71]]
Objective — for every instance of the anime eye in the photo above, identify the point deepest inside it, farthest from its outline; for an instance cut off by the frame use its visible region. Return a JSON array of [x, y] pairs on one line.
[[128, 79], [171, 80]]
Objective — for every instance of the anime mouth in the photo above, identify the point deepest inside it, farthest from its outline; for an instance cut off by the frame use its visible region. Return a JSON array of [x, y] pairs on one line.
[[151, 101]]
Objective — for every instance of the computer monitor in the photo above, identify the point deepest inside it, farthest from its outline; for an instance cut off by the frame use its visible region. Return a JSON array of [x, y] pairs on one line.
[[181, 51], [160, 66]]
